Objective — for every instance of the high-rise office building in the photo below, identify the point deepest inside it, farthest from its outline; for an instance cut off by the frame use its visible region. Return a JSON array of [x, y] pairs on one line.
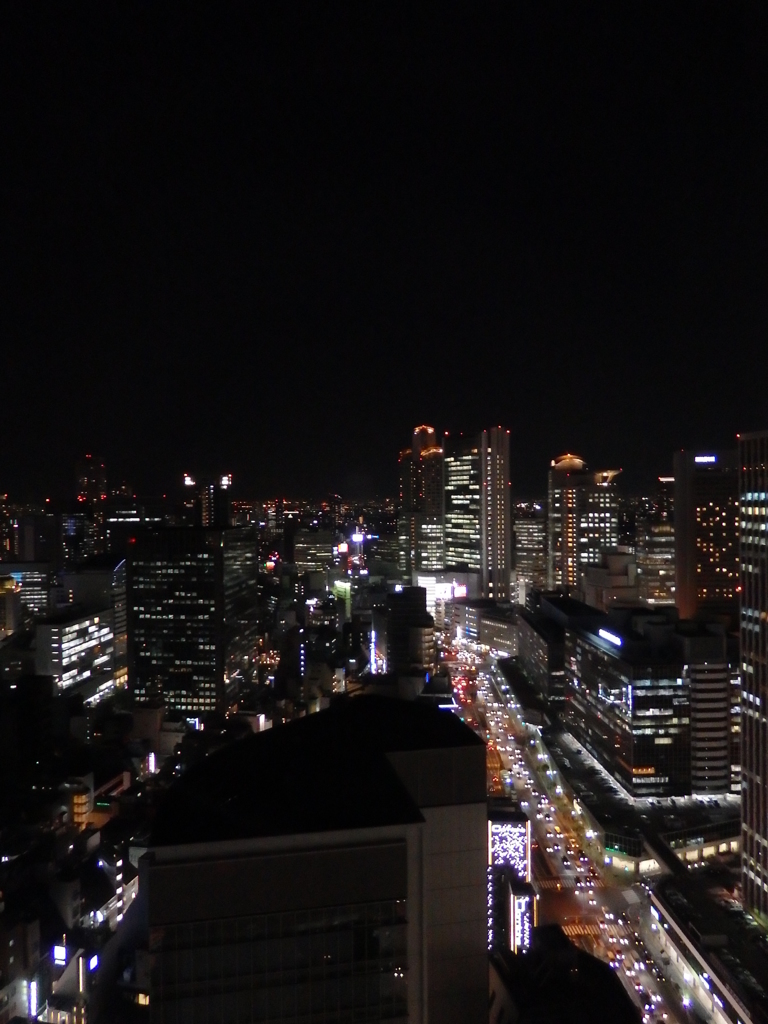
[[36, 582], [38, 538], [582, 519], [215, 502], [409, 632], [651, 697], [655, 547], [209, 503], [192, 604], [753, 557], [477, 507], [455, 506], [313, 550], [91, 481], [463, 484], [420, 521], [98, 586], [91, 496], [77, 649], [495, 513], [706, 533], [124, 515], [530, 545], [406, 523], [79, 539], [711, 666]]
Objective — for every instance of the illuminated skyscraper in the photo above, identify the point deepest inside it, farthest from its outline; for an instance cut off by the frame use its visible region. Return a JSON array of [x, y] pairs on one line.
[[210, 502], [655, 547], [192, 615], [582, 518], [420, 521], [406, 519], [753, 521], [477, 507], [91, 481], [455, 506], [463, 540], [531, 545], [706, 533], [495, 513], [91, 496]]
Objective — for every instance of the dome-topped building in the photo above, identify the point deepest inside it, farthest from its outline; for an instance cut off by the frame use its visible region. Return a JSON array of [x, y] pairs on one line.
[[582, 518], [569, 463]]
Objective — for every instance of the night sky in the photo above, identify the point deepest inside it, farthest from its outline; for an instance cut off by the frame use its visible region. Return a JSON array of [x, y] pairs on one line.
[[272, 239]]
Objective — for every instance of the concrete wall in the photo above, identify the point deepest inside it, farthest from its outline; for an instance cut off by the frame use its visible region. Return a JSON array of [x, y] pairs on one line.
[[449, 785], [456, 858]]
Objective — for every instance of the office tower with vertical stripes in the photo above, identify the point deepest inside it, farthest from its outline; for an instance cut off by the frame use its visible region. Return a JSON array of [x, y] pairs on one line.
[[462, 474], [495, 513]]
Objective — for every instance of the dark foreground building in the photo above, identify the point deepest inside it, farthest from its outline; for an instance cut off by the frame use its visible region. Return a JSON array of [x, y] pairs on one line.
[[331, 869], [555, 981]]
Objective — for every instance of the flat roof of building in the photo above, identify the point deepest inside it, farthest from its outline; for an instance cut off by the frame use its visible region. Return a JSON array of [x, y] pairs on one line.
[[548, 629], [326, 772], [71, 613], [570, 606], [742, 960]]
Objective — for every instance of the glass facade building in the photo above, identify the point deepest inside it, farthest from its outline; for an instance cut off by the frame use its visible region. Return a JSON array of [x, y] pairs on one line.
[[655, 546], [334, 963], [531, 546], [463, 546], [476, 502], [655, 700], [630, 710], [313, 550], [655, 554], [35, 580], [191, 615]]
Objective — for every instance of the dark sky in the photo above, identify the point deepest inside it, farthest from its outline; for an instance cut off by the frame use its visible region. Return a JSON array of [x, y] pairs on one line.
[[272, 238]]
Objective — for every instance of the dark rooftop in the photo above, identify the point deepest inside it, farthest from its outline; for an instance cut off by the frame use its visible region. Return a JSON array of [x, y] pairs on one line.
[[568, 608], [325, 772], [547, 628], [108, 561], [555, 981], [743, 959]]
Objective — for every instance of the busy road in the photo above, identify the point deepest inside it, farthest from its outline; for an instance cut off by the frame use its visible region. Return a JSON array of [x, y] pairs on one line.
[[576, 891]]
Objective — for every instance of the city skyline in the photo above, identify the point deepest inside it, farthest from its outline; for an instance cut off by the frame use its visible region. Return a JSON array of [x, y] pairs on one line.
[[384, 514], [61, 487]]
